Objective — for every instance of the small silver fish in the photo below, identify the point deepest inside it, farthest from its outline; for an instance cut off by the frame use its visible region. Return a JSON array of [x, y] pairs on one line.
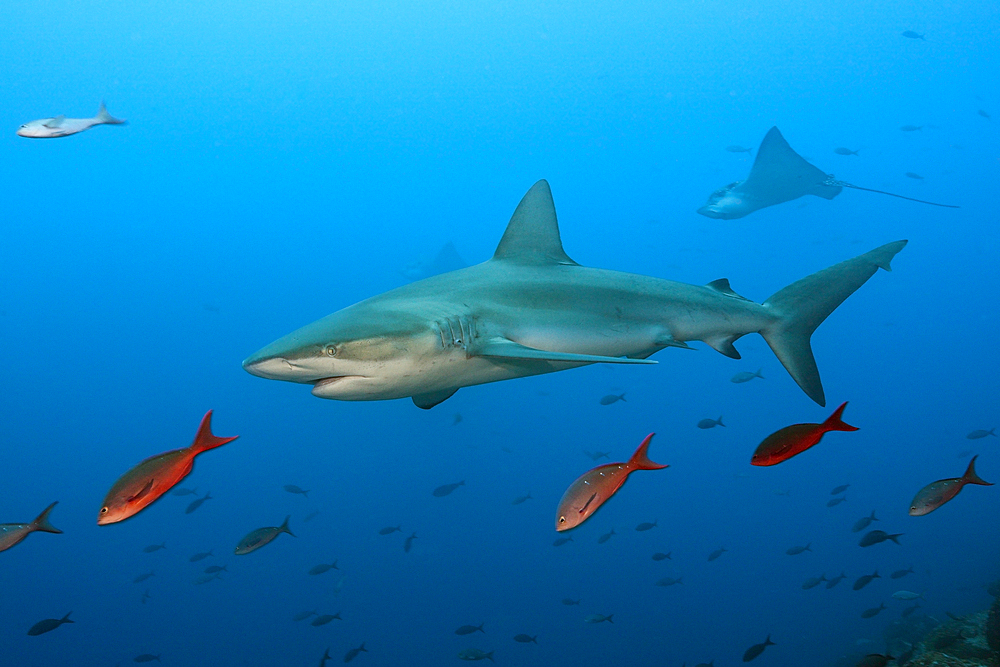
[[746, 376], [598, 618], [470, 629], [12, 534], [863, 523], [261, 537], [710, 423], [325, 618], [323, 567], [475, 654], [61, 126]]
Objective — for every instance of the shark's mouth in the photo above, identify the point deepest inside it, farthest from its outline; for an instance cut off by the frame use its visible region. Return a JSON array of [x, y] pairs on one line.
[[326, 382]]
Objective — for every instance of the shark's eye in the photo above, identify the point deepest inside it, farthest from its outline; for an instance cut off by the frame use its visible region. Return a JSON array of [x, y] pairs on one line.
[[331, 350]]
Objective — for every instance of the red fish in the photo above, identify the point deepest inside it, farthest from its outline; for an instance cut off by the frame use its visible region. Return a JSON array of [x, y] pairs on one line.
[[937, 493], [797, 438], [593, 488], [140, 486]]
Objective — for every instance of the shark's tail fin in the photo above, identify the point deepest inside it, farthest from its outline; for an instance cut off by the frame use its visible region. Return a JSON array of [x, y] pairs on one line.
[[802, 306], [104, 117]]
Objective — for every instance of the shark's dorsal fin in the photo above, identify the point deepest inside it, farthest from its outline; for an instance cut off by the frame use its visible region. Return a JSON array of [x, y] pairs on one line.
[[722, 286], [780, 174], [428, 401], [53, 123], [532, 235]]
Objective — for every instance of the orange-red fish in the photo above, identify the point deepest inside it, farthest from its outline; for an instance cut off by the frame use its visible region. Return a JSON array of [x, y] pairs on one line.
[[143, 484], [937, 493], [593, 488], [797, 438]]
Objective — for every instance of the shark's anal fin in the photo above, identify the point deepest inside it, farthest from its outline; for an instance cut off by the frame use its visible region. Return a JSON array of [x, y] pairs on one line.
[[508, 349], [724, 345], [428, 401], [722, 287]]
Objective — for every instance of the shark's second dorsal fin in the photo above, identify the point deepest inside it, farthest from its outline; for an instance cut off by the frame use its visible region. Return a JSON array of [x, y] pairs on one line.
[[722, 286], [532, 235]]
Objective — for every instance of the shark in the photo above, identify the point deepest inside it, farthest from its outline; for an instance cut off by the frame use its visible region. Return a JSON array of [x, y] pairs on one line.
[[779, 175], [61, 126], [530, 310]]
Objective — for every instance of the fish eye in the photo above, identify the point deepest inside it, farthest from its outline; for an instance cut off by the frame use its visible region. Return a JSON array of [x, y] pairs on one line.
[[562, 519], [331, 350], [104, 510]]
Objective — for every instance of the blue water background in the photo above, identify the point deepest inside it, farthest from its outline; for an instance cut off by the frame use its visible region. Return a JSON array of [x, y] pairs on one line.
[[286, 159]]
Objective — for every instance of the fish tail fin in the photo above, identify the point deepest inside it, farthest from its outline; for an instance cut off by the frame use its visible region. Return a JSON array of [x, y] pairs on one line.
[[680, 580], [640, 459], [970, 476], [480, 627], [835, 422], [104, 117], [759, 373], [873, 517], [41, 522], [895, 538], [719, 421], [304, 493], [621, 397], [66, 618], [284, 526], [992, 431], [362, 647], [809, 546], [490, 656], [204, 440], [609, 618], [802, 306], [768, 642]]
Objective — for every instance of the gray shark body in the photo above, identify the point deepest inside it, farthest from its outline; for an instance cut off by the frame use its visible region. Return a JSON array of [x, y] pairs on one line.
[[531, 310]]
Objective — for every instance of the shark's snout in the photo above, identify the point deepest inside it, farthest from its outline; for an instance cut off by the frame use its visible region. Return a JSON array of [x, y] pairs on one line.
[[272, 368]]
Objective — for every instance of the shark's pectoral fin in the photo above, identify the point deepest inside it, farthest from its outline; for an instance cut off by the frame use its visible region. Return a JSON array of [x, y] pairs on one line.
[[722, 287], [508, 349], [428, 401], [53, 123]]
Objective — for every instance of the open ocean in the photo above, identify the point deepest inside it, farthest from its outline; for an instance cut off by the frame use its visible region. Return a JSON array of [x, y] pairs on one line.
[[284, 160]]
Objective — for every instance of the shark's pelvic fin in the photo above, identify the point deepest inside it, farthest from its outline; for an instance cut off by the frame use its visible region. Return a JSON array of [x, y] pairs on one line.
[[724, 345], [722, 286], [508, 349], [532, 235], [428, 401], [803, 305]]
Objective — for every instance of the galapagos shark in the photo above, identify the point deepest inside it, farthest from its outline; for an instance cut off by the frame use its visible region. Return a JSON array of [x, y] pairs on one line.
[[530, 309], [61, 126], [779, 174]]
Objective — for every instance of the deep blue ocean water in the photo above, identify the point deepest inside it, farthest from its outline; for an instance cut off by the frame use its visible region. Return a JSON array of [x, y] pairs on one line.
[[286, 159]]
